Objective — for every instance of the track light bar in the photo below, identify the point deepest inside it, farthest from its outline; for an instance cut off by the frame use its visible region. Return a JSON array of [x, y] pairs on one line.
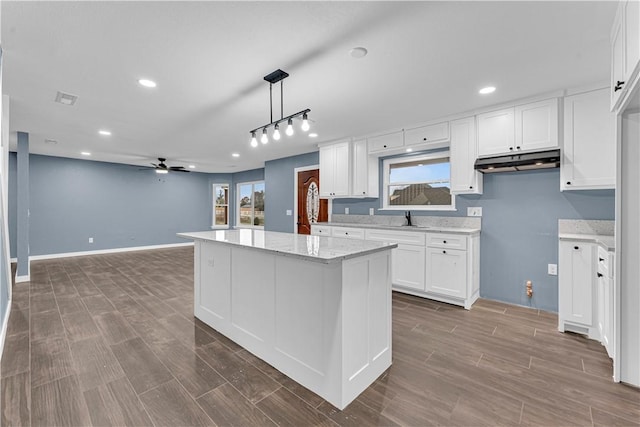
[[272, 78]]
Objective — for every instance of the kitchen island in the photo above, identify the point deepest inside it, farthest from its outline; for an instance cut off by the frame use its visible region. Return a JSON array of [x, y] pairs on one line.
[[316, 308]]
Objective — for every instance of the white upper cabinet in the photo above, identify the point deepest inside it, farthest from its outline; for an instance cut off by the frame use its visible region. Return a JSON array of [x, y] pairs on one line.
[[464, 178], [427, 134], [365, 171], [589, 154], [335, 170], [386, 142], [625, 51], [496, 133], [536, 125]]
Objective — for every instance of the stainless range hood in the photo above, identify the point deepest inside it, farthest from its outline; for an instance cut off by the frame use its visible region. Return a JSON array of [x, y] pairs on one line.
[[519, 162]]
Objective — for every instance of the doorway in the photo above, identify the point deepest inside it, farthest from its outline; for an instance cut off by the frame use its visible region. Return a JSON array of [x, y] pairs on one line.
[[311, 208]]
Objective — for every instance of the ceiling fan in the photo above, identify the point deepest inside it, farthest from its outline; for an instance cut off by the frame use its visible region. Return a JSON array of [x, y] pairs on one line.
[[163, 168]]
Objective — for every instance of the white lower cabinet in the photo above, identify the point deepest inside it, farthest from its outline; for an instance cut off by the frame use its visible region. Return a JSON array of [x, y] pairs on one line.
[[440, 266], [447, 272]]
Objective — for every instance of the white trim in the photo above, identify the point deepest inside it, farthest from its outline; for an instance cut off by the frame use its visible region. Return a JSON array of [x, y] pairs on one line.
[[386, 163], [5, 324], [295, 192], [21, 279], [106, 251], [12, 260], [213, 204]]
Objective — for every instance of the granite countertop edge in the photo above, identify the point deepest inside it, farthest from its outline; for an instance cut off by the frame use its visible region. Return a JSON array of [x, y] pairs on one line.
[[605, 240], [413, 228]]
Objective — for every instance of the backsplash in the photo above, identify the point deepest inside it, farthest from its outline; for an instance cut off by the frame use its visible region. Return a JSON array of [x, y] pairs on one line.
[[578, 226], [423, 221]]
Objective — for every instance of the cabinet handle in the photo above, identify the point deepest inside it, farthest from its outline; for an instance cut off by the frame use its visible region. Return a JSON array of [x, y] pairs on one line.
[[444, 252], [568, 182], [346, 233], [511, 148], [471, 187], [600, 259], [618, 86], [518, 147], [384, 146], [599, 274], [576, 247], [444, 241], [424, 139], [364, 192]]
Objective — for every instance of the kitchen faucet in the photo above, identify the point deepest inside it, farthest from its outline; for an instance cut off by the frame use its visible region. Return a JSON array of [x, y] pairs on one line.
[[407, 215]]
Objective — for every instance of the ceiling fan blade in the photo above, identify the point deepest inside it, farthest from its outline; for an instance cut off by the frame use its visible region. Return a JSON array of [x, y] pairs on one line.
[[180, 170], [154, 165], [175, 168]]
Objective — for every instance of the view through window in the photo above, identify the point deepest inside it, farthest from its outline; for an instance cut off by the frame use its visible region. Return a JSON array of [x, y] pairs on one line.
[[251, 204], [221, 205]]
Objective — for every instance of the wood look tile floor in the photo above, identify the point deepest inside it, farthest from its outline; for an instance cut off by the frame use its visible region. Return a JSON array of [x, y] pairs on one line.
[[111, 340]]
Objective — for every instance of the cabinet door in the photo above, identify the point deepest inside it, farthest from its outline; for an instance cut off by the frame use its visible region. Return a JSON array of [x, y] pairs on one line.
[[341, 177], [213, 290], [408, 266], [427, 134], [600, 301], [386, 142], [617, 57], [327, 171], [536, 125], [576, 282], [496, 132], [361, 175], [464, 178], [447, 272], [607, 337], [632, 37], [589, 155]]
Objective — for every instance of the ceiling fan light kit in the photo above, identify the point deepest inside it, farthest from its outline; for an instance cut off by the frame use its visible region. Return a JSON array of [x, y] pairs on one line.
[[275, 77], [162, 168]]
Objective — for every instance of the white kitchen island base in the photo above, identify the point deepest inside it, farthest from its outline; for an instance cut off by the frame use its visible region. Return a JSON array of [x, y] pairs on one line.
[[324, 323]]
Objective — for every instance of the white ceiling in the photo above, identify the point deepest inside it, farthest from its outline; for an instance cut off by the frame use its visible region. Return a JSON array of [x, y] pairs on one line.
[[426, 60]]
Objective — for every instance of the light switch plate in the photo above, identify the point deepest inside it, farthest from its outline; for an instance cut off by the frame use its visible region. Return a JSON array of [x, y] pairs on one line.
[[474, 211], [289, 212], [346, 211], [90, 239], [371, 211], [552, 269]]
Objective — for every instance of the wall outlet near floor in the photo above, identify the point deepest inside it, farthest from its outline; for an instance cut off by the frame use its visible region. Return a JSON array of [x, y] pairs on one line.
[[372, 211], [552, 269], [90, 239], [475, 211], [346, 211]]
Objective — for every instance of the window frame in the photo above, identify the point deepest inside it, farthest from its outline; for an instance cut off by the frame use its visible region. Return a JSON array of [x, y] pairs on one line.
[[215, 204], [386, 167], [239, 200]]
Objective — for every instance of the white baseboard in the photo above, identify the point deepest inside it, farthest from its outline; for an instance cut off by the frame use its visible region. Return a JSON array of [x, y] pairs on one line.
[[5, 323], [13, 260], [20, 279], [107, 251]]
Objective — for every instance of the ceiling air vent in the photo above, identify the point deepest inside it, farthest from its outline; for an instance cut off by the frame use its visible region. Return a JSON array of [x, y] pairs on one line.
[[50, 141], [66, 98]]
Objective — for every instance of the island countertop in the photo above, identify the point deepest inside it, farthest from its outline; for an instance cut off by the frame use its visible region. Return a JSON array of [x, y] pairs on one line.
[[311, 248]]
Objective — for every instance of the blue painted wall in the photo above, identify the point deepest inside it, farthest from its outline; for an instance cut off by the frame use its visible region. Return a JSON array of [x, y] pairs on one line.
[[519, 230], [12, 201], [118, 205], [279, 180]]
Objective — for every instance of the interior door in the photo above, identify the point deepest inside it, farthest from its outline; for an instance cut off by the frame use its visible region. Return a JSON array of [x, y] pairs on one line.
[[311, 208]]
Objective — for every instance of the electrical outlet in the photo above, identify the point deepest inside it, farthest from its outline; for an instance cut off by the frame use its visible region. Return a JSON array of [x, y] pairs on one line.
[[289, 212], [552, 269], [346, 211], [90, 239], [475, 211], [371, 211]]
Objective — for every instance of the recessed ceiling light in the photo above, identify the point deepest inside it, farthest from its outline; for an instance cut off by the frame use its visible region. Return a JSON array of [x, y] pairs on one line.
[[358, 52], [192, 166], [104, 132], [408, 150], [147, 83], [313, 135], [85, 153], [235, 154], [487, 90]]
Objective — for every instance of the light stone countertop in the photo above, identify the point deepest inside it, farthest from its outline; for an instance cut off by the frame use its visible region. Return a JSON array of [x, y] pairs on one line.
[[417, 228], [595, 231], [310, 248]]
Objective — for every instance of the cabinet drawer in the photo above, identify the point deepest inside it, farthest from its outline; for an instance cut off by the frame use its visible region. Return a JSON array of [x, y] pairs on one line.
[[427, 134], [384, 142], [350, 233], [320, 230], [605, 264], [451, 241], [405, 237]]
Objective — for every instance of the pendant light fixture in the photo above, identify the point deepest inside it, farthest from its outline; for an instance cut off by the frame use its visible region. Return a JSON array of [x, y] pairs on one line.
[[275, 77]]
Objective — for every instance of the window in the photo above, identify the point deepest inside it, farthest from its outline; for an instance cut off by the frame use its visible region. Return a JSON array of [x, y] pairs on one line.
[[418, 182], [220, 206], [251, 204]]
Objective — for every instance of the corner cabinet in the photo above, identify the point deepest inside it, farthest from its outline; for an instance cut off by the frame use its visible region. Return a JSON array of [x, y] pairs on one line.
[[464, 178], [589, 154], [527, 127], [576, 287], [625, 52], [347, 170]]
